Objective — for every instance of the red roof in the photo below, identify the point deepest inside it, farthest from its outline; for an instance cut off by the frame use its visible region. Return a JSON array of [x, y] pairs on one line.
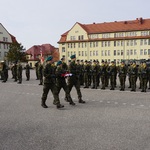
[[117, 26], [44, 49]]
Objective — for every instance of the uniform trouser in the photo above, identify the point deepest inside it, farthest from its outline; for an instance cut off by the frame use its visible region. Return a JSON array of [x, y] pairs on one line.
[[89, 79], [148, 80], [53, 88], [112, 81], [103, 81], [94, 80], [86, 80], [144, 83], [122, 81], [133, 82], [20, 78], [28, 75], [74, 81], [140, 79], [41, 79], [37, 74], [129, 80], [63, 84]]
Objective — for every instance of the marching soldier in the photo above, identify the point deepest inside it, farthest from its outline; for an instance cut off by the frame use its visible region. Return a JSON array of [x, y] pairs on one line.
[[61, 74], [129, 71], [74, 79], [4, 72], [49, 84]]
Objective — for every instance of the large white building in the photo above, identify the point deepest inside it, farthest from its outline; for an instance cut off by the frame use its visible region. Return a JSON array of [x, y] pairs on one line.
[[5, 40]]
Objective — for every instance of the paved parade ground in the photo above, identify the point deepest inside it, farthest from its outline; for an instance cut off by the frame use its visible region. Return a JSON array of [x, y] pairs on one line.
[[110, 120]]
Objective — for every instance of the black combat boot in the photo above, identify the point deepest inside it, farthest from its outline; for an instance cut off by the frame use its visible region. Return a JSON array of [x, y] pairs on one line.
[[43, 104], [59, 106], [81, 101]]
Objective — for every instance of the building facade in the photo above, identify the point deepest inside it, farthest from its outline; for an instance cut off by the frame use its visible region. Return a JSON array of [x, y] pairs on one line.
[[5, 40], [119, 40], [40, 53]]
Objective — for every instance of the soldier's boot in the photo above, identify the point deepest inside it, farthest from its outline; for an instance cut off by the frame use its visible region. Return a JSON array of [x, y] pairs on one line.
[[59, 106], [81, 101], [71, 102], [43, 104]]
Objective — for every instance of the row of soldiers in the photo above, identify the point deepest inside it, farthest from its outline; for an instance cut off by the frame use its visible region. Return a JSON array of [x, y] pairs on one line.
[[16, 70], [91, 73]]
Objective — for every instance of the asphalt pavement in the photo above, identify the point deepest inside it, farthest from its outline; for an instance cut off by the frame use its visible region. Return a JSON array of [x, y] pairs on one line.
[[109, 120]]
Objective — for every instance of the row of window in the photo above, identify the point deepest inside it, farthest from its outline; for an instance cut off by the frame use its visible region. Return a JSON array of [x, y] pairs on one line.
[[108, 43], [108, 35], [108, 52], [3, 54], [4, 46]]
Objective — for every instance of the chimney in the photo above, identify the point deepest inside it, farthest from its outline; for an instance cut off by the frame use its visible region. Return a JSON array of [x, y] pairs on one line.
[[140, 20]]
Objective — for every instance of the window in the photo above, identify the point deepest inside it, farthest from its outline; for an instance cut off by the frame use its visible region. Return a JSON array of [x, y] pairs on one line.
[[102, 44], [127, 43], [141, 42], [79, 45], [141, 51], [145, 51], [90, 53], [68, 54], [118, 52], [82, 53], [5, 54], [96, 44], [85, 53], [102, 53], [127, 52], [148, 51], [148, 41], [93, 53], [96, 53], [114, 43], [145, 41], [63, 49], [121, 52], [108, 52], [85, 45], [80, 37], [90, 44], [68, 45], [0, 54], [82, 45], [114, 52], [74, 45], [72, 38], [135, 52], [131, 52]]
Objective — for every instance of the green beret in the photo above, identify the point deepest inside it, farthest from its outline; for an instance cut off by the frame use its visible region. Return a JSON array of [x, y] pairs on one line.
[[59, 63], [73, 56], [49, 58]]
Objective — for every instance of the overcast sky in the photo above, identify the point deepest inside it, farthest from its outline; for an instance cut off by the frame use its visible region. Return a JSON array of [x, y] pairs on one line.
[[36, 22]]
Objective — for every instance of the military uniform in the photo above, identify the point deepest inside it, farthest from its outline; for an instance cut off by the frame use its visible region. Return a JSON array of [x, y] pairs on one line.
[[144, 77], [111, 71], [122, 70], [103, 74], [27, 72], [40, 73], [49, 84], [86, 74], [36, 70], [19, 73], [74, 79], [4, 72], [61, 74], [133, 73]]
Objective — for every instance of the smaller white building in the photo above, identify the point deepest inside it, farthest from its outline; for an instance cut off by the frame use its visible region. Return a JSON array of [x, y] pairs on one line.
[[5, 40]]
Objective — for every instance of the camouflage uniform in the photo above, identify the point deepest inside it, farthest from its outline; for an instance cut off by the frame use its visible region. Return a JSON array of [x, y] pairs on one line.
[[40, 73], [103, 74], [122, 70], [61, 82], [27, 71], [74, 79], [111, 70], [49, 84], [19, 73], [144, 76]]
